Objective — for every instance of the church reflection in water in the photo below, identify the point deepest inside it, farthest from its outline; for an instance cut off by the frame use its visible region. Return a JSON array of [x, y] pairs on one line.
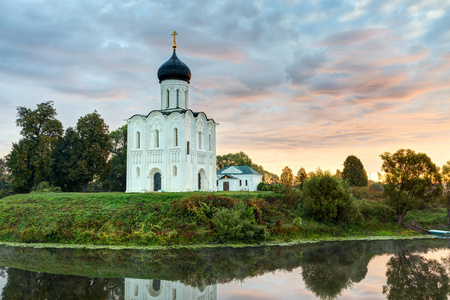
[[146, 289]]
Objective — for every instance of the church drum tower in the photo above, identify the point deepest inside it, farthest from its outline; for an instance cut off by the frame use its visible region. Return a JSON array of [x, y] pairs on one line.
[[172, 149]]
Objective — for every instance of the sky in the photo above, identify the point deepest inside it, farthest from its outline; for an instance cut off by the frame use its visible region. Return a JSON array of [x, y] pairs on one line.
[[291, 83]]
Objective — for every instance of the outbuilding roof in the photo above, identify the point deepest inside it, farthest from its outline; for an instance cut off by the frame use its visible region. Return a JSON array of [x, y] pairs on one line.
[[237, 170]]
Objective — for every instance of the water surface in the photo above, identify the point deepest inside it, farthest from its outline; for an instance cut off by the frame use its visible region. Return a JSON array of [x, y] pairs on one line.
[[395, 269]]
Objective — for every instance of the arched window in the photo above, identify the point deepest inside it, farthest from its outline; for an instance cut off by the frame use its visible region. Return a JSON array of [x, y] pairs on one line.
[[138, 140], [175, 136], [246, 182], [178, 98], [185, 98], [168, 98], [187, 147], [157, 138], [138, 172], [199, 140], [175, 171], [209, 141], [240, 182]]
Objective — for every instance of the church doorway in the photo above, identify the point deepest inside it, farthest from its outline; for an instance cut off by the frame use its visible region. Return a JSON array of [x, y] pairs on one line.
[[157, 181], [226, 186], [202, 180]]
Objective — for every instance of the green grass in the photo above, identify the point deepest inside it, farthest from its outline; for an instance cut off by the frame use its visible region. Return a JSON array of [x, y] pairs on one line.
[[160, 219], [431, 218]]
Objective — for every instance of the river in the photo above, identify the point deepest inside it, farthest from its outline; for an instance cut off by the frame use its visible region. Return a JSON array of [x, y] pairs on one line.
[[385, 269]]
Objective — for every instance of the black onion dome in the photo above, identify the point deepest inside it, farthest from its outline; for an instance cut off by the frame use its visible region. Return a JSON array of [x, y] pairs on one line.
[[174, 69]]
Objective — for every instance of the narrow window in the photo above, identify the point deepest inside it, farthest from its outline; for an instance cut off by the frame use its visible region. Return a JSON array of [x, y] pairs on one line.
[[246, 182], [174, 171], [210, 147], [157, 138], [217, 182], [178, 98], [187, 147], [167, 98], [240, 182], [138, 140], [138, 172], [185, 98], [199, 140], [175, 135]]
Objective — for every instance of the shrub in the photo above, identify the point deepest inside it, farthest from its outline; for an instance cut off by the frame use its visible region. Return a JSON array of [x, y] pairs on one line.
[[261, 186], [360, 192], [372, 210], [376, 186], [238, 225], [328, 198]]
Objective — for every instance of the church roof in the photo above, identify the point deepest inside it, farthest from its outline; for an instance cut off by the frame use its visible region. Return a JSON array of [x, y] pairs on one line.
[[167, 112], [174, 68], [237, 170]]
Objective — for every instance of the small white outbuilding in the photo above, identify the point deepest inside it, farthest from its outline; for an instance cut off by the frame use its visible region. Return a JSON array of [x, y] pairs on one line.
[[238, 178]]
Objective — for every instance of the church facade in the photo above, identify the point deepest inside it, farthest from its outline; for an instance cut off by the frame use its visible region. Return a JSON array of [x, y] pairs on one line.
[[172, 149]]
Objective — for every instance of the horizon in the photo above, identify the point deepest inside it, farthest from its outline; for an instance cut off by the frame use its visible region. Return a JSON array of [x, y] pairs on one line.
[[291, 83]]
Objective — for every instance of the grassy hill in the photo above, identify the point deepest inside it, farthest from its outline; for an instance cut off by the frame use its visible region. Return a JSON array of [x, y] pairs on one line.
[[173, 218]]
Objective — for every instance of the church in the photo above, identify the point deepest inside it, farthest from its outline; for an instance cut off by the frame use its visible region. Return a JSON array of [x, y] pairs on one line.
[[172, 149]]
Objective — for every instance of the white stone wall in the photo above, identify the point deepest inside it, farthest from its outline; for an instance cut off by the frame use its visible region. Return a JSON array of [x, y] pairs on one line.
[[240, 183], [169, 90], [156, 151]]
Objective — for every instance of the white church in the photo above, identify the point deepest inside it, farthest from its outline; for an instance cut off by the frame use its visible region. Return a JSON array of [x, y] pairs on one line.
[[172, 149]]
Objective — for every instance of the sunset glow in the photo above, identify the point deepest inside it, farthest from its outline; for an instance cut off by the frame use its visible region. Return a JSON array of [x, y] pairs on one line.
[[291, 83]]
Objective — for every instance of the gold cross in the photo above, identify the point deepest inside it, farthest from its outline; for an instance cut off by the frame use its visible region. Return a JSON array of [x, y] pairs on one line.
[[174, 34]]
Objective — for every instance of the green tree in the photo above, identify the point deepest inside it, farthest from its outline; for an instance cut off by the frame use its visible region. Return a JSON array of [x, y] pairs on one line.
[[117, 178], [65, 167], [30, 159], [327, 198], [5, 179], [92, 149], [300, 178], [287, 177], [338, 174], [446, 196], [354, 172], [411, 179]]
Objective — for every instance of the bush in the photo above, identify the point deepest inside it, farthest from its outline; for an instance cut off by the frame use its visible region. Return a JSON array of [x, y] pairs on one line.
[[261, 186], [360, 192], [327, 198], [372, 210], [376, 186], [238, 225], [44, 186]]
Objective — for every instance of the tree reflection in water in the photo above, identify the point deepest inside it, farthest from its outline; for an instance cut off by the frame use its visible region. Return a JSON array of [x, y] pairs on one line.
[[36, 285], [411, 276], [329, 270]]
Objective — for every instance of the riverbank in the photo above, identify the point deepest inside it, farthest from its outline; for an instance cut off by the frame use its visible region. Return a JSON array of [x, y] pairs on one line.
[[170, 219]]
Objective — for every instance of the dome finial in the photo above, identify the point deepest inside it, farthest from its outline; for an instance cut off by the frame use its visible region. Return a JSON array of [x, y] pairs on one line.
[[174, 34]]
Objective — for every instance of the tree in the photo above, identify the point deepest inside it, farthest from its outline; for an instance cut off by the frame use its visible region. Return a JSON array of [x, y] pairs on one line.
[[446, 181], [118, 176], [30, 159], [92, 149], [354, 172], [327, 198], [287, 177], [65, 167], [411, 179], [338, 174], [300, 177], [5, 179]]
